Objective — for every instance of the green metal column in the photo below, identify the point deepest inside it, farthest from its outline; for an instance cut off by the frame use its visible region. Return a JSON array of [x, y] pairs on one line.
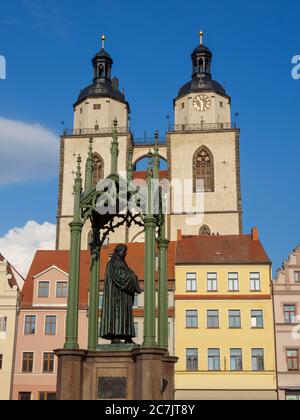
[[76, 226], [163, 330], [94, 296], [150, 224]]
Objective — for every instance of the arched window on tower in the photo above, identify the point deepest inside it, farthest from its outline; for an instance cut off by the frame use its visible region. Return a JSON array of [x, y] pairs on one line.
[[201, 65], [205, 231], [98, 169], [203, 166]]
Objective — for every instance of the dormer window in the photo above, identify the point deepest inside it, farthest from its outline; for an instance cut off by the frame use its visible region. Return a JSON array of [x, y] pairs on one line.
[[61, 289], [43, 290]]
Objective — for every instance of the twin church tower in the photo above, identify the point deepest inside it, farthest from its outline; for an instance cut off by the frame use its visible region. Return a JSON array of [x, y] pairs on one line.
[[202, 145]]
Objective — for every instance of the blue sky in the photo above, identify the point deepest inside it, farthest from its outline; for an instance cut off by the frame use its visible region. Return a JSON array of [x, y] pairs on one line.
[[48, 46]]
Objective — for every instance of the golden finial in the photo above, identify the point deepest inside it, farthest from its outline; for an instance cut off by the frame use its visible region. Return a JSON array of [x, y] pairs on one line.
[[201, 33], [103, 39]]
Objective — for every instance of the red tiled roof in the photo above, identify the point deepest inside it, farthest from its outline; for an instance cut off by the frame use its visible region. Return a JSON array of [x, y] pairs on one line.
[[137, 175], [46, 259], [225, 249]]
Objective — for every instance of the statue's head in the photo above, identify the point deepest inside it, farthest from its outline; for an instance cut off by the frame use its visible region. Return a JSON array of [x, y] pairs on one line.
[[121, 251]]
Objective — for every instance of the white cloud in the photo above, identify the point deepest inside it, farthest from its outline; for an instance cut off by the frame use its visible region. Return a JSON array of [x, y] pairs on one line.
[[28, 152], [19, 245]]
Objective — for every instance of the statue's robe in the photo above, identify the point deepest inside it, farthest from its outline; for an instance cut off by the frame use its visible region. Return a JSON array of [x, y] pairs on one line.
[[120, 287]]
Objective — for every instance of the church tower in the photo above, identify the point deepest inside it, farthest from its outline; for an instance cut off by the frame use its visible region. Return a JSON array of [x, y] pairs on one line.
[[204, 146], [95, 110]]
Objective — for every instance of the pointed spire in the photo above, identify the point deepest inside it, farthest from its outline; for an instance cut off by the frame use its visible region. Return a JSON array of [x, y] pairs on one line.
[[89, 168], [149, 183], [103, 39], [201, 34], [77, 192], [115, 149], [156, 159], [130, 165]]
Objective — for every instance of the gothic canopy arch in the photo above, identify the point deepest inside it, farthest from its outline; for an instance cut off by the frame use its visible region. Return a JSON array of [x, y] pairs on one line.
[[203, 170], [98, 168]]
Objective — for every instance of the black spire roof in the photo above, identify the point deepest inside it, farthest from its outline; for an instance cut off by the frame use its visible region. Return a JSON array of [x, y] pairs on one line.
[[103, 85], [201, 79]]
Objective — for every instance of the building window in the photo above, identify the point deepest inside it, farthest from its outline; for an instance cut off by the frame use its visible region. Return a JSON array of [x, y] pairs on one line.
[[47, 396], [62, 289], [258, 363], [297, 276], [214, 360], [98, 168], [27, 364], [292, 396], [1, 361], [292, 360], [30, 325], [191, 282], [234, 319], [43, 289], [3, 324], [233, 282], [48, 363], [221, 104], [257, 319], [24, 396], [290, 314], [136, 329], [182, 105], [255, 285], [96, 127], [50, 327], [192, 360], [136, 301], [212, 282], [100, 300], [236, 359], [97, 106], [191, 319], [203, 165], [212, 319], [80, 110]]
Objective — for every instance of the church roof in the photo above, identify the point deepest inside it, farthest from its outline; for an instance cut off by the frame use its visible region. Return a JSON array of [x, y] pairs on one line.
[[60, 259], [223, 249], [101, 90], [207, 85]]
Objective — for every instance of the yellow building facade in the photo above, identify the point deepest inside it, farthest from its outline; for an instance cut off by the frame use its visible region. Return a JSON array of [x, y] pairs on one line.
[[9, 301], [224, 320]]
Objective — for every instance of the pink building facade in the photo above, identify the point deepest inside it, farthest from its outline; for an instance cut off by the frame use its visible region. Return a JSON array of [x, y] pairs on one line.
[[41, 330], [287, 320]]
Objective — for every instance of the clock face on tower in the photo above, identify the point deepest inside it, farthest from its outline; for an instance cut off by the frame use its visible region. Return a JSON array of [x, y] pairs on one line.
[[202, 103]]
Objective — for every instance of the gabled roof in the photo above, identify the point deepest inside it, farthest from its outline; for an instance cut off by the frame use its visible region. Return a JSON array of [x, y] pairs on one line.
[[44, 260], [13, 277], [225, 249]]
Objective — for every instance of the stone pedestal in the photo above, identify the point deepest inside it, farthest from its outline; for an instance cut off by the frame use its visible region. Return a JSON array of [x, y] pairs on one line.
[[136, 374]]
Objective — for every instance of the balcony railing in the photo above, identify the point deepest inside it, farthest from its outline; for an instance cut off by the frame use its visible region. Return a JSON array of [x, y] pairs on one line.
[[149, 141], [202, 127], [94, 132]]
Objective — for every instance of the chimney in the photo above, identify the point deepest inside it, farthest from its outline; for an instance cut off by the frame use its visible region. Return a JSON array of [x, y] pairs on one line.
[[254, 233], [179, 235]]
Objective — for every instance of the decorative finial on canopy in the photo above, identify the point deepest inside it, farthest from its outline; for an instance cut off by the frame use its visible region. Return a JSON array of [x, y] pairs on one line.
[[103, 39], [201, 34]]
